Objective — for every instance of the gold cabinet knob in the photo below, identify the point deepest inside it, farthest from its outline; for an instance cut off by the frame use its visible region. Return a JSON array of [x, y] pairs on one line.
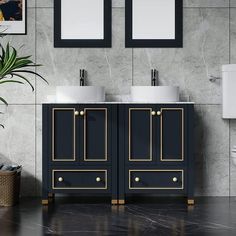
[[153, 113], [175, 179], [76, 113], [158, 113], [137, 179], [60, 179], [98, 179], [81, 113]]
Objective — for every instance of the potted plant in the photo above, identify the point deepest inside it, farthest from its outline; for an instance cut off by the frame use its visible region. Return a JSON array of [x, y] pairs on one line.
[[13, 69]]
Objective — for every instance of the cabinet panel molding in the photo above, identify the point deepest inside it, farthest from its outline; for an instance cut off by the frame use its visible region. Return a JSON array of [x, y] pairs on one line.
[[140, 134], [63, 134], [95, 146], [79, 179], [172, 134], [159, 179]]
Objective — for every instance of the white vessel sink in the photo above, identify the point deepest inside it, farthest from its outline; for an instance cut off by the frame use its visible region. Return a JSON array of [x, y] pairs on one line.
[[155, 94], [74, 94]]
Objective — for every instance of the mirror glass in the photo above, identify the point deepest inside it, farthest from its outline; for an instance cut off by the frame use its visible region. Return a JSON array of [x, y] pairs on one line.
[[82, 23], [153, 19], [154, 23], [82, 19]]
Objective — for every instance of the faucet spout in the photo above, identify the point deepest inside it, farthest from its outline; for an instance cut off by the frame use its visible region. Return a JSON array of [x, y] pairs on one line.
[[82, 77], [154, 77]]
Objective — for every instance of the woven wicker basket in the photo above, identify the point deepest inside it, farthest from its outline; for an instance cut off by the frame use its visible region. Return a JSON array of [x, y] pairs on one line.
[[9, 187]]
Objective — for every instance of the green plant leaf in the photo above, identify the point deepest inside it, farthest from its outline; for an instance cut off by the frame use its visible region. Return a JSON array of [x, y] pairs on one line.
[[22, 77], [11, 81], [7, 52], [23, 58], [31, 72], [10, 62], [21, 63], [3, 53], [3, 101], [13, 66]]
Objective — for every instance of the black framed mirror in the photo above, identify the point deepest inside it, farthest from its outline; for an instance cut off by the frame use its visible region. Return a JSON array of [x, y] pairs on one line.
[[154, 23], [82, 23]]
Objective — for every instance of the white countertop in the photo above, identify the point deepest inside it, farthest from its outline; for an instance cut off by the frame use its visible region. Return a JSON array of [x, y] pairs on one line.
[[122, 103]]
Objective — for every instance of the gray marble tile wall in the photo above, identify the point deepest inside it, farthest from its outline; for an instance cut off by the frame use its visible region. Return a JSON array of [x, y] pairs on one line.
[[209, 42]]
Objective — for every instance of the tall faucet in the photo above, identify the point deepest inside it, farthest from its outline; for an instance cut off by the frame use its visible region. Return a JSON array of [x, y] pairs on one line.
[[154, 77], [82, 77]]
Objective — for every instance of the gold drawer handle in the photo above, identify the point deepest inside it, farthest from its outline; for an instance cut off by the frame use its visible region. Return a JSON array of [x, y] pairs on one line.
[[175, 179], [98, 179], [137, 179], [153, 113], [158, 113], [82, 113], [60, 179], [76, 113]]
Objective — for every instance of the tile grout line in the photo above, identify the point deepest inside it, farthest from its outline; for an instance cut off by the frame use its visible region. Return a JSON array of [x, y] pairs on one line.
[[229, 32], [229, 120], [35, 102], [229, 158], [132, 64]]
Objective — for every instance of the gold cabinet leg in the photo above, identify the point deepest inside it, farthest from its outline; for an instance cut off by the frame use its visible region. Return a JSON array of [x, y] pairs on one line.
[[51, 195], [190, 201], [114, 202], [45, 202], [121, 201]]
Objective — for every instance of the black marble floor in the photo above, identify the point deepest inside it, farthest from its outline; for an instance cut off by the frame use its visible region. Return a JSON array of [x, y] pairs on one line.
[[150, 216]]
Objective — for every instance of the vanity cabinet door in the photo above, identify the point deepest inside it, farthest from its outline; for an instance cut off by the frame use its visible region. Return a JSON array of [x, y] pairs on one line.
[[63, 134], [95, 134], [155, 134], [84, 134], [139, 135], [171, 129]]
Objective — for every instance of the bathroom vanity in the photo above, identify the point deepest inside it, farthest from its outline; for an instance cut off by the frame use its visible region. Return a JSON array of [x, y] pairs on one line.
[[118, 149]]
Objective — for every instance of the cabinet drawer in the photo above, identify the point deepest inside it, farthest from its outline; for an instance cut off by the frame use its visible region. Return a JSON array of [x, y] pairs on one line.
[[156, 179], [79, 179]]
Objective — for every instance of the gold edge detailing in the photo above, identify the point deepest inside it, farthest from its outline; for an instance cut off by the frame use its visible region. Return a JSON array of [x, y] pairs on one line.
[[85, 139], [44, 202], [161, 134], [53, 153], [67, 170], [190, 201], [74, 136], [121, 201], [114, 201], [53, 135], [151, 117], [157, 188]]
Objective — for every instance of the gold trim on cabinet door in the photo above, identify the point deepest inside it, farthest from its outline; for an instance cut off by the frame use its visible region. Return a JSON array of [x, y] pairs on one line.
[[161, 135], [53, 135], [156, 170], [66, 170], [151, 116], [85, 140]]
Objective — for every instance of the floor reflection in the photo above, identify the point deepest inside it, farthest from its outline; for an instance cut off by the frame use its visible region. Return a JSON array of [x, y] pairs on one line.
[[210, 216]]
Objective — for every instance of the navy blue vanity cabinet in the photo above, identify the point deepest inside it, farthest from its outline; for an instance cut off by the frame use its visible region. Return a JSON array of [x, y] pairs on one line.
[[118, 150], [157, 151], [79, 149]]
